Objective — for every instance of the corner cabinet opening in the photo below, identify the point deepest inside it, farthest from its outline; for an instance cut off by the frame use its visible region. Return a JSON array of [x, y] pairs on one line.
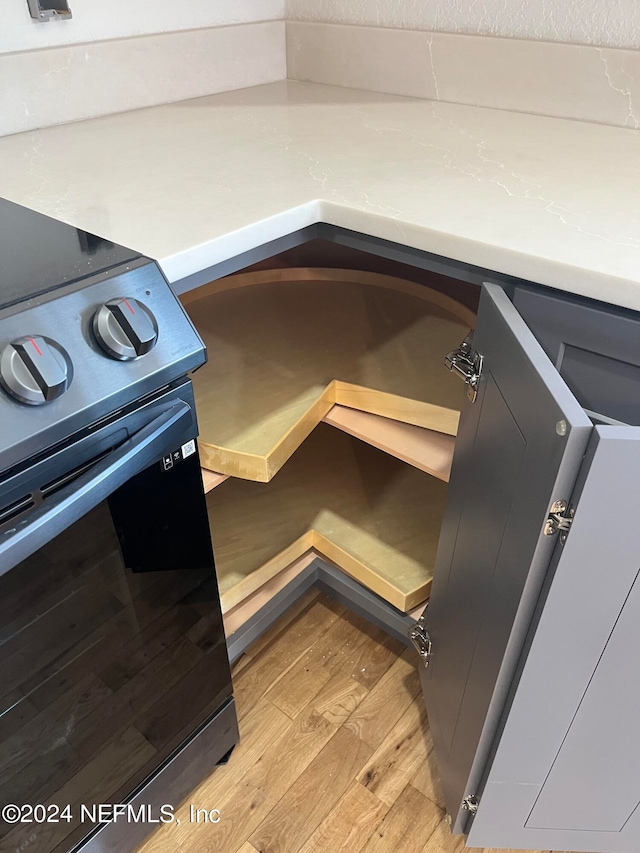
[[327, 425]]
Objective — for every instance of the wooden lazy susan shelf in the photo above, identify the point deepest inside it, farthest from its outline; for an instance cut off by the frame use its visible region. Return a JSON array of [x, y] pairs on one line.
[[374, 516], [327, 428], [286, 346]]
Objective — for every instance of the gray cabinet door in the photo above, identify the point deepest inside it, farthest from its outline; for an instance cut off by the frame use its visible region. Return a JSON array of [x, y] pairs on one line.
[[519, 448]]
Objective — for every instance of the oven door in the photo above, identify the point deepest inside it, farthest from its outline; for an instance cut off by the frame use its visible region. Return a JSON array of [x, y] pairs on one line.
[[112, 649]]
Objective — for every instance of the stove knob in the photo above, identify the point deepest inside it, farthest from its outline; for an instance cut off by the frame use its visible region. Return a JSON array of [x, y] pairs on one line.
[[125, 329], [35, 370]]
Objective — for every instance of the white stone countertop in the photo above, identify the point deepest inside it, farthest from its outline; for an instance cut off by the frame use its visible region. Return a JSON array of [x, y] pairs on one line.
[[195, 183]]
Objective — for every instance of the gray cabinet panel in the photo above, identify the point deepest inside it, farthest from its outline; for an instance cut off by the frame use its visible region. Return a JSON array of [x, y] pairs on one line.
[[596, 350], [511, 463], [462, 611], [566, 770], [607, 764]]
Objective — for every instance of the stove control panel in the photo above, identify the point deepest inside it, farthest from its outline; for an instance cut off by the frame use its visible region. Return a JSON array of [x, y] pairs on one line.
[[70, 358], [35, 370], [125, 328]]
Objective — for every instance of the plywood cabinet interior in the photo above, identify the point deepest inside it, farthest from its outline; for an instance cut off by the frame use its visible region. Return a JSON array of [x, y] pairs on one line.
[[327, 425], [364, 510], [286, 345]]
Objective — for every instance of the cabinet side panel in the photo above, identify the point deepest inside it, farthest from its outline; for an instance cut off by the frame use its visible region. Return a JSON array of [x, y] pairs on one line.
[[566, 770], [602, 748]]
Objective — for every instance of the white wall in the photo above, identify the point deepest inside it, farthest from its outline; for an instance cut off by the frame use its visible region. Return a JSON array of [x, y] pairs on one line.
[[601, 22], [96, 20]]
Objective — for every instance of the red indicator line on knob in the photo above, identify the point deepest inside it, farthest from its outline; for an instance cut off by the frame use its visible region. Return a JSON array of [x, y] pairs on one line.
[[35, 346], [126, 302]]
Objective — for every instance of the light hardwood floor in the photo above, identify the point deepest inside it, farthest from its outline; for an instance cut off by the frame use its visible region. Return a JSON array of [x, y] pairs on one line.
[[335, 752]]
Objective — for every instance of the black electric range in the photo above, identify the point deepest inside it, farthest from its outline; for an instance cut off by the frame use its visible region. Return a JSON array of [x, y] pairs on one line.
[[115, 690]]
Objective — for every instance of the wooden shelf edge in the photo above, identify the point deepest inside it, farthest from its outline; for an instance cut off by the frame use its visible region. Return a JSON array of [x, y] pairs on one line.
[[246, 609], [257, 579], [401, 409], [384, 411], [417, 612], [235, 618], [210, 480], [427, 450], [269, 578], [368, 577]]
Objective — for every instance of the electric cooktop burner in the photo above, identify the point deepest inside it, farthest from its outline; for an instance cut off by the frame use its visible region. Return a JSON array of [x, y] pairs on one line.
[[38, 254]]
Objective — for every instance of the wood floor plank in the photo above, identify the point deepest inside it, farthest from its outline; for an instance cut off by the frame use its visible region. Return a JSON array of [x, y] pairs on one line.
[[239, 665], [392, 765], [427, 777], [351, 649], [294, 612], [327, 655], [253, 681], [371, 654], [276, 660], [260, 728], [442, 841], [300, 684], [353, 771], [407, 826], [339, 698], [313, 795], [388, 700], [349, 825], [255, 796]]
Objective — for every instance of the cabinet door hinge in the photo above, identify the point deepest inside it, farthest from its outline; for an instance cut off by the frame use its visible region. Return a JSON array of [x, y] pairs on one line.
[[559, 520], [420, 638], [471, 804], [466, 362]]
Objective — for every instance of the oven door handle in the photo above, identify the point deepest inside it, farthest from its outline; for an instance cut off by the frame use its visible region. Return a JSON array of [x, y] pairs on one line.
[[74, 500]]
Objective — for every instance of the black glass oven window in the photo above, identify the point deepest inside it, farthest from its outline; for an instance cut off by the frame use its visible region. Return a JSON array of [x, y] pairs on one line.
[[103, 673]]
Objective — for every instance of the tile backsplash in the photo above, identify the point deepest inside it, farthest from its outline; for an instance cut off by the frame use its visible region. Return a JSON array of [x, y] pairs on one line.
[[568, 58], [61, 84], [587, 82]]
